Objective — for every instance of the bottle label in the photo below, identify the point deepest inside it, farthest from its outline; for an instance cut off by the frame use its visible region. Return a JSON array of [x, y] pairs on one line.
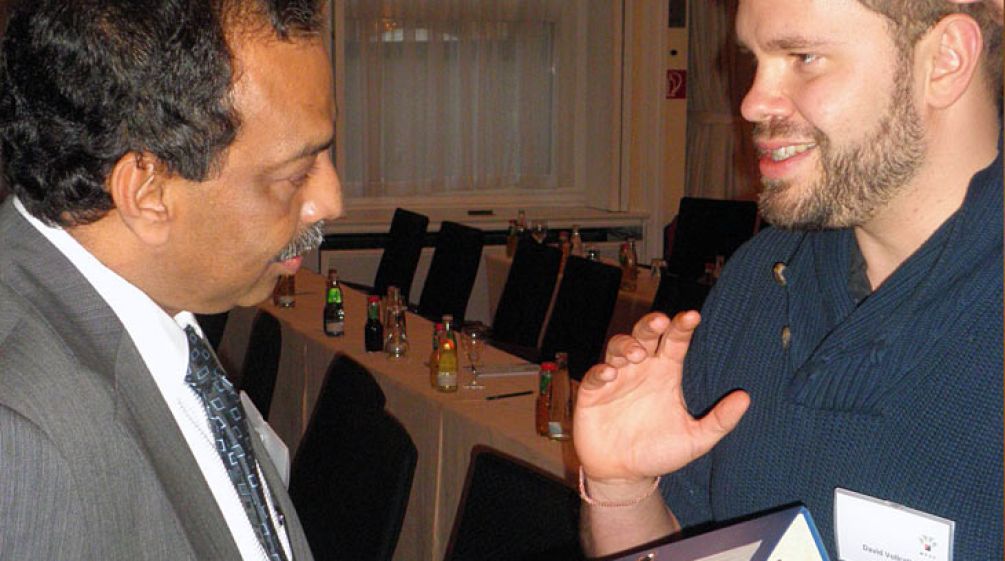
[[334, 328], [446, 380], [556, 432]]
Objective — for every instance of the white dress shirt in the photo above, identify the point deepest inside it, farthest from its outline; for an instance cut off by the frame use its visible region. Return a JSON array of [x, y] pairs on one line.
[[161, 342]]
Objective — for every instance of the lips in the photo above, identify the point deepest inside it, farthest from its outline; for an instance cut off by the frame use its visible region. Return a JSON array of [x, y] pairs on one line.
[[292, 265], [779, 160]]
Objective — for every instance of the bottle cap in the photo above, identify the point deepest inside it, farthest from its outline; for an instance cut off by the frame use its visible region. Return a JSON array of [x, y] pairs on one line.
[[549, 366]]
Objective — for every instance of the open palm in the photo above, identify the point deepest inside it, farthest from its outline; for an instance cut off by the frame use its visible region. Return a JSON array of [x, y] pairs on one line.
[[631, 421]]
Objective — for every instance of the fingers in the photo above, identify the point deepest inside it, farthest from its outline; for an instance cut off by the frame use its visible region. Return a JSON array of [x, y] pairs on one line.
[[598, 376], [623, 349], [678, 335], [648, 330], [643, 342], [722, 419]]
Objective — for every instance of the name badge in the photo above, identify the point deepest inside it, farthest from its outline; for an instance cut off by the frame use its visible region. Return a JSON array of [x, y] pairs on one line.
[[871, 529]]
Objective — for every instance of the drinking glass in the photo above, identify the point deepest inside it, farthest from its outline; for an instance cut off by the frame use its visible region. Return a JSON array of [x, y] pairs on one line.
[[539, 230], [473, 340]]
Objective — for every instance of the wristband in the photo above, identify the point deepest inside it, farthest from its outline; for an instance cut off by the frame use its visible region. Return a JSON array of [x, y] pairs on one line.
[[613, 504]]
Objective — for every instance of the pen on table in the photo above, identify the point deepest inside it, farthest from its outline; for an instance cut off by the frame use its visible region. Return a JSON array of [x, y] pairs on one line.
[[505, 395]]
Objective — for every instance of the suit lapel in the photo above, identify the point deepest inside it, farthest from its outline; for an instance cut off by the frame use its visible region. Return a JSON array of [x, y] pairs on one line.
[[141, 406], [96, 337]]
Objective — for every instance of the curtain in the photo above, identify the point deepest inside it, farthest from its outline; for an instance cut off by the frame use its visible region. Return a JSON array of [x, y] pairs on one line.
[[449, 97], [721, 163]]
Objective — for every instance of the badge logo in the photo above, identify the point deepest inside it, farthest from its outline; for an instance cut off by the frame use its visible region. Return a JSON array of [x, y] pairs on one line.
[[928, 546]]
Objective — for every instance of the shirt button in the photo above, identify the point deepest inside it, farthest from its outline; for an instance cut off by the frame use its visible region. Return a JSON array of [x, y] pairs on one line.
[[786, 337], [779, 271]]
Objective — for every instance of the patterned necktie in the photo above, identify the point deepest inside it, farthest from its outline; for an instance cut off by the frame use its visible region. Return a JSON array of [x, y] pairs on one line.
[[230, 429]]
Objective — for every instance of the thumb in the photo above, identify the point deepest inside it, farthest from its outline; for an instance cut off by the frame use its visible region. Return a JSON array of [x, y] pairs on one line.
[[722, 419]]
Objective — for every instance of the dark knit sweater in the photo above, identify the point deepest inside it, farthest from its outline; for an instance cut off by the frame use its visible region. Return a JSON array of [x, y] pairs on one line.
[[898, 397]]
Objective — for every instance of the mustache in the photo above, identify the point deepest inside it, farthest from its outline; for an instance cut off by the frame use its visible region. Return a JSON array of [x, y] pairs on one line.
[[768, 130], [306, 240]]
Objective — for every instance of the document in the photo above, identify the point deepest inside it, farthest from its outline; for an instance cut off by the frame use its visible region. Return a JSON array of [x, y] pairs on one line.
[[786, 535]]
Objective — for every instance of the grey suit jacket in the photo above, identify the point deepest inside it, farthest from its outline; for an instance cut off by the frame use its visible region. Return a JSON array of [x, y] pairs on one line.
[[92, 464]]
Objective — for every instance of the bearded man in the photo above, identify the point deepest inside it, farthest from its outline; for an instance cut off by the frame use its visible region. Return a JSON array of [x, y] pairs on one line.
[[857, 345]]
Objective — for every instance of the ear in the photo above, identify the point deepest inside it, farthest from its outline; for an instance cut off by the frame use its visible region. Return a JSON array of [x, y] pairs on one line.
[[137, 188], [951, 51]]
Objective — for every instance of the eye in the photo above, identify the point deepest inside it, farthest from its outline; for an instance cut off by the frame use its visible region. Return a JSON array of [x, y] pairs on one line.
[[806, 58], [301, 178]]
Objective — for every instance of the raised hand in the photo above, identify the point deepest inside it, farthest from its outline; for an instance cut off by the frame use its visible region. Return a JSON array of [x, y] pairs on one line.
[[631, 422]]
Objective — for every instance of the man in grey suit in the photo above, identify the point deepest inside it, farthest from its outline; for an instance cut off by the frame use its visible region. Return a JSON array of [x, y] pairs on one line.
[[165, 158]]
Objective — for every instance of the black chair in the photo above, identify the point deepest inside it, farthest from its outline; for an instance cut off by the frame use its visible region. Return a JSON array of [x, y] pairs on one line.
[[213, 326], [511, 511], [352, 473], [706, 228], [261, 361], [527, 293], [675, 294], [581, 313], [401, 253], [452, 272]]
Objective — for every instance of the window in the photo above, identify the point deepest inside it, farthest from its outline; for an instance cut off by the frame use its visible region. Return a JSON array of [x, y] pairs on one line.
[[465, 99]]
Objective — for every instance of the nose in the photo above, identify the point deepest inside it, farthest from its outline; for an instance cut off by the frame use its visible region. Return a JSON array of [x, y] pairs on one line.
[[766, 99], [323, 199]]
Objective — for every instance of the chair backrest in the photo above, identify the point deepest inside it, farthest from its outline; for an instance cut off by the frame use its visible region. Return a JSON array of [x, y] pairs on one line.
[[581, 313], [676, 294], [452, 271], [706, 228], [352, 473], [401, 254], [527, 293], [261, 361], [511, 511]]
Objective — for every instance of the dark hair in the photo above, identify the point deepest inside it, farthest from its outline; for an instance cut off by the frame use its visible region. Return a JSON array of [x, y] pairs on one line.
[[911, 19], [85, 82]]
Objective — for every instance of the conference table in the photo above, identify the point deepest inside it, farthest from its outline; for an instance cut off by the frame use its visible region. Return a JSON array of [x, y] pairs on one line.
[[444, 426]]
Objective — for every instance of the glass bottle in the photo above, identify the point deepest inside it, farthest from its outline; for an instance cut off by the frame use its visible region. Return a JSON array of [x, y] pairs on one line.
[[284, 291], [560, 409], [373, 331], [334, 312], [446, 369], [629, 266], [392, 301], [434, 357], [396, 341], [512, 238], [541, 409], [576, 241]]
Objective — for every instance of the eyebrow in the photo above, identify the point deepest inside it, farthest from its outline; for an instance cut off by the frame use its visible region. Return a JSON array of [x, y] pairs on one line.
[[788, 43], [308, 150]]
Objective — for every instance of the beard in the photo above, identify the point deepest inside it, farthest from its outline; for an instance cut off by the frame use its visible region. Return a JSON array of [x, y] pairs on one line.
[[306, 240], [854, 181]]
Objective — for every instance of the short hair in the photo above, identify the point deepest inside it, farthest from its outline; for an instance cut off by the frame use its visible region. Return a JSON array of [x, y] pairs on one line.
[[911, 19], [85, 82]]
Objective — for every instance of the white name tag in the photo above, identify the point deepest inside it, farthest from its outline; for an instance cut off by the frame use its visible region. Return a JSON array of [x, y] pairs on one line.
[[871, 529]]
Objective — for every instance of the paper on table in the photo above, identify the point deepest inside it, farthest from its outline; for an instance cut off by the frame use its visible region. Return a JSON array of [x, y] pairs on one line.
[[497, 370]]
